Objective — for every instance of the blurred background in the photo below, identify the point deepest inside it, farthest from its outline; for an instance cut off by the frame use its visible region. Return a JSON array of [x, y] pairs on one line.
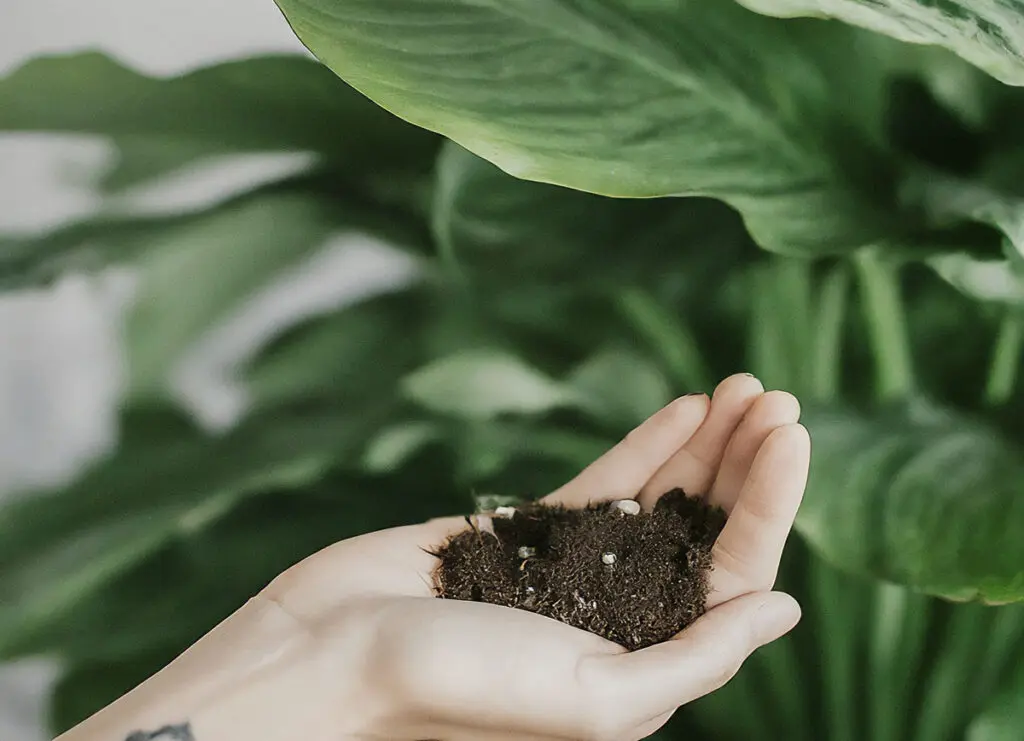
[[245, 313], [61, 360]]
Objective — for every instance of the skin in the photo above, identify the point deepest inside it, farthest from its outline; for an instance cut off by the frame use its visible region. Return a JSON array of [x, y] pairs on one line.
[[351, 644]]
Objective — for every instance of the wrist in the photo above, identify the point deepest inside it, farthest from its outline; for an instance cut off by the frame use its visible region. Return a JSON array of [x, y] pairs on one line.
[[256, 675]]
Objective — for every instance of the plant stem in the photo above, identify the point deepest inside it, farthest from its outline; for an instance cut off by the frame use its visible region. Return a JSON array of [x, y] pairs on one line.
[[1005, 366], [899, 630], [792, 283], [779, 668], [887, 327], [670, 336], [838, 600], [944, 712], [826, 368], [1002, 643], [734, 711], [770, 360]]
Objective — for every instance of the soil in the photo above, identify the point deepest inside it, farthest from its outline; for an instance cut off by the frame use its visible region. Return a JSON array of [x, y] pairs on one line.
[[635, 579]]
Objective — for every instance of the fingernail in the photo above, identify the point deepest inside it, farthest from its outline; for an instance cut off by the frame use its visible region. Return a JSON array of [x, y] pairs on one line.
[[778, 614]]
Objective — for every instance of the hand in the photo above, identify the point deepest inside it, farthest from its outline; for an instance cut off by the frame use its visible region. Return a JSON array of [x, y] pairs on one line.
[[445, 669]]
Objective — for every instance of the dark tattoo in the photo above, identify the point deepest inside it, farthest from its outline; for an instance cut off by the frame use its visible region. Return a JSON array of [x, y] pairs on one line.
[[182, 732]]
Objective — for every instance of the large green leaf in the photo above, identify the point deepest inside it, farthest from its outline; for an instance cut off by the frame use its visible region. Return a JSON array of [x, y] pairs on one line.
[[277, 103], [989, 34], [351, 355], [919, 497], [105, 238], [629, 99], [498, 226], [166, 480], [984, 280], [483, 384], [194, 274]]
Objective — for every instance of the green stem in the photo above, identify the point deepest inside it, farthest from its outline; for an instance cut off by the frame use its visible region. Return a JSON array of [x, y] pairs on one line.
[[769, 360], [782, 680], [1001, 646], [792, 284], [887, 327], [1002, 375], [735, 711], [897, 641], [837, 601], [826, 368], [670, 336], [944, 712]]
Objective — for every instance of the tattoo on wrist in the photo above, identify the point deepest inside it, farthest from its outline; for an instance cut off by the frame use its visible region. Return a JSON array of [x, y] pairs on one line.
[[181, 732]]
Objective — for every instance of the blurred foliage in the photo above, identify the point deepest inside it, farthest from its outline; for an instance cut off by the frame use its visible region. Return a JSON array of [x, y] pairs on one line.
[[542, 325]]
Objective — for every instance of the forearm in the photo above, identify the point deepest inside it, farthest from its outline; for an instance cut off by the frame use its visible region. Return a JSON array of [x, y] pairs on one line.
[[254, 676]]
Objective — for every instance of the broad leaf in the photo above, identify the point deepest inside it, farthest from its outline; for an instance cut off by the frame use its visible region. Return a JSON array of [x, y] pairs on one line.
[[948, 199], [277, 103], [167, 480], [483, 384], [619, 387], [497, 226], [984, 280], [919, 497], [988, 34], [629, 99], [193, 275], [397, 444], [118, 238], [347, 357]]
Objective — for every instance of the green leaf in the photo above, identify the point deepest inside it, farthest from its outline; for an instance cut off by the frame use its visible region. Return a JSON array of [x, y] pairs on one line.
[[194, 275], [620, 387], [165, 481], [983, 280], [917, 496], [1003, 717], [395, 445], [275, 103], [348, 357], [947, 201], [106, 238], [990, 35], [483, 384], [496, 225], [629, 99]]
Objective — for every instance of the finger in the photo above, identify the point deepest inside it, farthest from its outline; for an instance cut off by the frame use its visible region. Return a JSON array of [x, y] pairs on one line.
[[699, 660], [747, 553], [773, 409], [694, 466], [623, 470]]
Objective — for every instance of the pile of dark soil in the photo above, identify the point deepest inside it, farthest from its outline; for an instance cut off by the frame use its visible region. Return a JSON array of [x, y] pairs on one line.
[[635, 579]]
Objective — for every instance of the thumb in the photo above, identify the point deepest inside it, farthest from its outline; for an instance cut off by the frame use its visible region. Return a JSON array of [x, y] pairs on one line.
[[703, 657]]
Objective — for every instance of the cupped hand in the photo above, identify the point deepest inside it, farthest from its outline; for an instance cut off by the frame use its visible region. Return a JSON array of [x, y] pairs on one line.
[[443, 669]]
